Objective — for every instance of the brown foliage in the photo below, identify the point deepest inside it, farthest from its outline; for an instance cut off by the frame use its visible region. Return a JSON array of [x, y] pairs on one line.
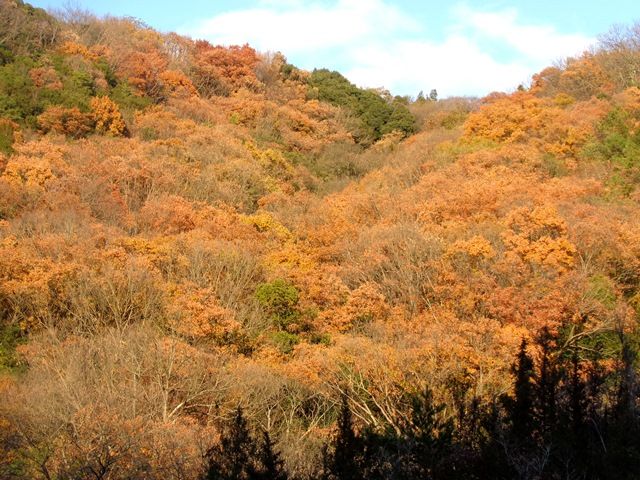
[[66, 121], [222, 70]]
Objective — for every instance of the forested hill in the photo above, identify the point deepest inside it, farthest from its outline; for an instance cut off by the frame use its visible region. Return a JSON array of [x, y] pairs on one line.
[[200, 244]]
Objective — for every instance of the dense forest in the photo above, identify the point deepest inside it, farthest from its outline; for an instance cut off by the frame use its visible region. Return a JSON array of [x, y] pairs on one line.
[[215, 265]]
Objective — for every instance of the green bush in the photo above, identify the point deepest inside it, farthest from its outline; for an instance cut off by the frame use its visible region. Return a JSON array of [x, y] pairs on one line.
[[10, 338], [280, 300], [617, 142], [376, 115], [285, 341], [6, 136]]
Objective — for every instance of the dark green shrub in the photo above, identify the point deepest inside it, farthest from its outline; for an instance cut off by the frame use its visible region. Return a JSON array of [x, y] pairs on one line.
[[280, 300]]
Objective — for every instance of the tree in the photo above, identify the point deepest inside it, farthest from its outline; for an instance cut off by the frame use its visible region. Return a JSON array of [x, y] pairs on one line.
[[280, 299], [66, 121], [234, 458], [344, 461], [107, 116], [521, 407], [271, 465]]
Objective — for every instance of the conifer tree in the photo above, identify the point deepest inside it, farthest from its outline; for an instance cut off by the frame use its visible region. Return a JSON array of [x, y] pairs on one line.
[[234, 457], [344, 462], [546, 384], [521, 406], [271, 465]]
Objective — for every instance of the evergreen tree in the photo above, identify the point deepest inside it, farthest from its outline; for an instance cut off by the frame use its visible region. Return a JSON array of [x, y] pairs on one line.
[[234, 457], [271, 465], [344, 462], [521, 406], [546, 384]]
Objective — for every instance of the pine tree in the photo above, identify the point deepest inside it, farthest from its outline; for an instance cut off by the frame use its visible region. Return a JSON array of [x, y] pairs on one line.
[[547, 383], [234, 457], [521, 408], [344, 462], [271, 465]]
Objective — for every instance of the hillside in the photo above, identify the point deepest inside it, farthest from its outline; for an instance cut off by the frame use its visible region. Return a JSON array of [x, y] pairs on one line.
[[188, 228]]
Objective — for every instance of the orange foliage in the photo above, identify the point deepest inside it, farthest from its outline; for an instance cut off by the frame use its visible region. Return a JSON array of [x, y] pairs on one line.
[[73, 48], [143, 70], [107, 117], [170, 215], [538, 236], [177, 84], [45, 77], [556, 126], [131, 266], [221, 70], [196, 314], [65, 121]]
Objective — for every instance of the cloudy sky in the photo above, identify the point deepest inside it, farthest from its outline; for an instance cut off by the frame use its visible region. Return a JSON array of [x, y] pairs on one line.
[[459, 48]]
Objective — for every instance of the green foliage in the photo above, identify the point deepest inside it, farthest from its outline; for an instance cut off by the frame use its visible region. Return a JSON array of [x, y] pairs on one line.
[[400, 119], [617, 143], [376, 114], [6, 55], [554, 166], [21, 100], [127, 99], [600, 289], [18, 98], [6, 137], [285, 341], [280, 300], [320, 339], [10, 338]]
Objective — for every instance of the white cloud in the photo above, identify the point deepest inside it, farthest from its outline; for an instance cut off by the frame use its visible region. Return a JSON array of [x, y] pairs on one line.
[[376, 44], [454, 67], [536, 42], [294, 27]]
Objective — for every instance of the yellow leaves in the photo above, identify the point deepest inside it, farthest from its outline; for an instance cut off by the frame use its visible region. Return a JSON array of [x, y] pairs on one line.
[[290, 257], [537, 222], [389, 141], [273, 161], [558, 125], [563, 100], [107, 117], [265, 222], [28, 171], [158, 251]]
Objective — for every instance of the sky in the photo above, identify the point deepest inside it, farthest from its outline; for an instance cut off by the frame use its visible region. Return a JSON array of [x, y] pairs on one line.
[[465, 47]]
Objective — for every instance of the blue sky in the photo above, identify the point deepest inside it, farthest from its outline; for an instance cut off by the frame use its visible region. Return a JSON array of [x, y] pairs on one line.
[[460, 48]]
